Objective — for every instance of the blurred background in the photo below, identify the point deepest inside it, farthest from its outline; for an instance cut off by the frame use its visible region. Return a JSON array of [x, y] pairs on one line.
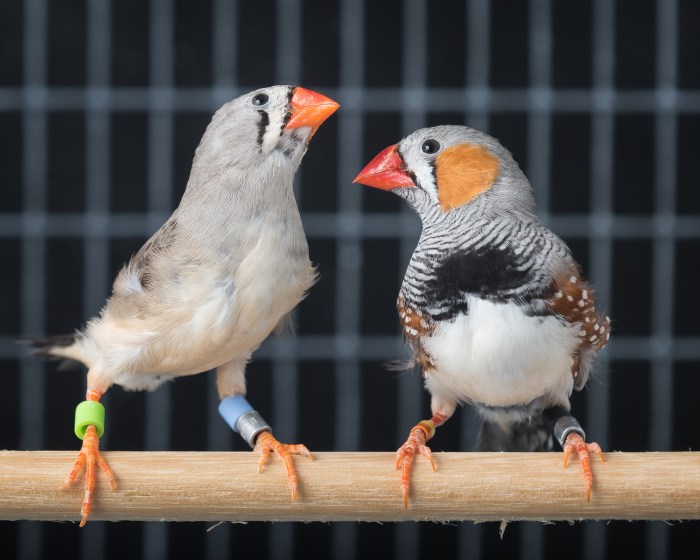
[[101, 107]]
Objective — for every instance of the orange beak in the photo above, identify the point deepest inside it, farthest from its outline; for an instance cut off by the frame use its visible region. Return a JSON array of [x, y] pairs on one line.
[[386, 171], [310, 109]]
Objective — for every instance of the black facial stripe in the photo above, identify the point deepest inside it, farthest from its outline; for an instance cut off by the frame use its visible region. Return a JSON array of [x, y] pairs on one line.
[[262, 126], [412, 175], [288, 112], [405, 169]]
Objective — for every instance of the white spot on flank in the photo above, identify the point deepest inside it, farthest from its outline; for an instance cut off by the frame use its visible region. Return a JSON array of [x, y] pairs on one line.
[[402, 314], [414, 332], [407, 319], [596, 327], [424, 323], [588, 319], [558, 294], [581, 303], [607, 336], [592, 339], [584, 295], [570, 298], [602, 330], [419, 313], [572, 279]]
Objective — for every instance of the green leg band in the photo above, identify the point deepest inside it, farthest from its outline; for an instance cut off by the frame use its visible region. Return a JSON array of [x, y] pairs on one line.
[[89, 413]]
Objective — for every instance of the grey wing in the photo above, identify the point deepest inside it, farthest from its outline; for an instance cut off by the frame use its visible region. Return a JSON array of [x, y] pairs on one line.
[[137, 276]]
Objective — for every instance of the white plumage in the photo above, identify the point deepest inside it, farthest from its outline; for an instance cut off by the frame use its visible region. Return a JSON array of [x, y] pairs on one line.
[[498, 356]]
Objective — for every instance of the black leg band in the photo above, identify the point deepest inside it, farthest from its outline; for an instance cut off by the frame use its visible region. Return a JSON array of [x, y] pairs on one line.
[[562, 424]]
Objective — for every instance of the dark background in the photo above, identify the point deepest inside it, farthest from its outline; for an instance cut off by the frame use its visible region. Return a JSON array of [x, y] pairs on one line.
[[101, 106]]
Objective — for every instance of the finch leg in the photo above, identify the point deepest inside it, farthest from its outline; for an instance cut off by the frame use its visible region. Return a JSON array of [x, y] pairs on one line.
[[88, 458], [420, 433], [266, 443], [574, 442]]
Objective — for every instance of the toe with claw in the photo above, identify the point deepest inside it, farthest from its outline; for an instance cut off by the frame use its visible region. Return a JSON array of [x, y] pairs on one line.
[[266, 443], [89, 457], [406, 453], [576, 443]]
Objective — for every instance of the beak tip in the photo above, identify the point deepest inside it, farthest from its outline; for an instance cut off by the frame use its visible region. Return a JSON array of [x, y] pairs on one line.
[[385, 171]]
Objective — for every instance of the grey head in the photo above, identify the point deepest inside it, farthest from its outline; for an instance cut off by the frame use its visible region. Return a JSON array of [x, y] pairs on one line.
[[450, 169]]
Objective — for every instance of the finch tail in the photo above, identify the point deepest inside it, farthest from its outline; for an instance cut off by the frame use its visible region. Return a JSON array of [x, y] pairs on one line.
[[52, 348], [532, 434]]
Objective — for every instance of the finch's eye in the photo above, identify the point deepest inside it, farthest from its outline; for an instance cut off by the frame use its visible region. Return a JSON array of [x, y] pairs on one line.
[[259, 100], [430, 146]]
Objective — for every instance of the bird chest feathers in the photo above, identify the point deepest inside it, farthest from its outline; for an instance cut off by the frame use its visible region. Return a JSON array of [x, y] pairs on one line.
[[485, 355], [265, 284]]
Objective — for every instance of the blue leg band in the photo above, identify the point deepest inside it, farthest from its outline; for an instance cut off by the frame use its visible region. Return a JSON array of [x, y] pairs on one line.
[[243, 419]]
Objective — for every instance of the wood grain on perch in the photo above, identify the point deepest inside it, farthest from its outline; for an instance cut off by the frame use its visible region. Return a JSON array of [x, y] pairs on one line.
[[354, 486]]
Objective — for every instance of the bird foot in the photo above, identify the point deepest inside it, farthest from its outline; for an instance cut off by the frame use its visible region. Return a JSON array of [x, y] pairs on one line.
[[407, 452], [574, 442], [88, 457], [266, 443]]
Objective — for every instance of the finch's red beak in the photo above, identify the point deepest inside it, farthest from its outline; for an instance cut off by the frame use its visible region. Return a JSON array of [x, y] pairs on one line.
[[309, 109], [385, 171]]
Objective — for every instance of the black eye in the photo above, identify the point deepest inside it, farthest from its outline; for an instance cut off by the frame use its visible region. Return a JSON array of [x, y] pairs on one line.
[[259, 100], [430, 146]]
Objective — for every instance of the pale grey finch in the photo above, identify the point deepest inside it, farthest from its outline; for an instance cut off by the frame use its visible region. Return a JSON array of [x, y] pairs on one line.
[[212, 283], [493, 304]]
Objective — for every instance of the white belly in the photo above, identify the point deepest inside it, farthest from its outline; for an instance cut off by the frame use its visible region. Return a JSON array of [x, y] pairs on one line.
[[498, 356]]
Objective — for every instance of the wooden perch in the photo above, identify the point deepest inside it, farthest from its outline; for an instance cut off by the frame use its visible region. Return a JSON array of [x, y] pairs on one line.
[[354, 486]]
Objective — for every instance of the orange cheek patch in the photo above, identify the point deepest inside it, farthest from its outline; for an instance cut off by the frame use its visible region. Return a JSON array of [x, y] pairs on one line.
[[462, 172]]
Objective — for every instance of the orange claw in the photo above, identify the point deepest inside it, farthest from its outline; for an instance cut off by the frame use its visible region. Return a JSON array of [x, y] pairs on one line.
[[88, 457], [574, 442], [266, 443], [407, 452]]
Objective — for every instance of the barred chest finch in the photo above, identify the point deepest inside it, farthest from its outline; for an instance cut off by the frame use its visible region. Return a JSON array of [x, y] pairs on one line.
[[493, 305]]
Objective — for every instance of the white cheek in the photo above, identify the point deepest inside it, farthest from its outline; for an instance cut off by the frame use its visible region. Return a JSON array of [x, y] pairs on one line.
[[426, 178], [274, 127]]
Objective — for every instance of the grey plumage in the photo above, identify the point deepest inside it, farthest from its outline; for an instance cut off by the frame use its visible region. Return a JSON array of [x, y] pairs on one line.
[[187, 301], [212, 283]]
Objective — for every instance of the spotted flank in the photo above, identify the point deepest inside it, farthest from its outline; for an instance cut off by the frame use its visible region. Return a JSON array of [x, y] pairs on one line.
[[574, 301], [414, 322]]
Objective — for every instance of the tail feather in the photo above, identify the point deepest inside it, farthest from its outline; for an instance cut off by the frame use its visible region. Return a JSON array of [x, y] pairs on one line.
[[528, 435], [48, 348]]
